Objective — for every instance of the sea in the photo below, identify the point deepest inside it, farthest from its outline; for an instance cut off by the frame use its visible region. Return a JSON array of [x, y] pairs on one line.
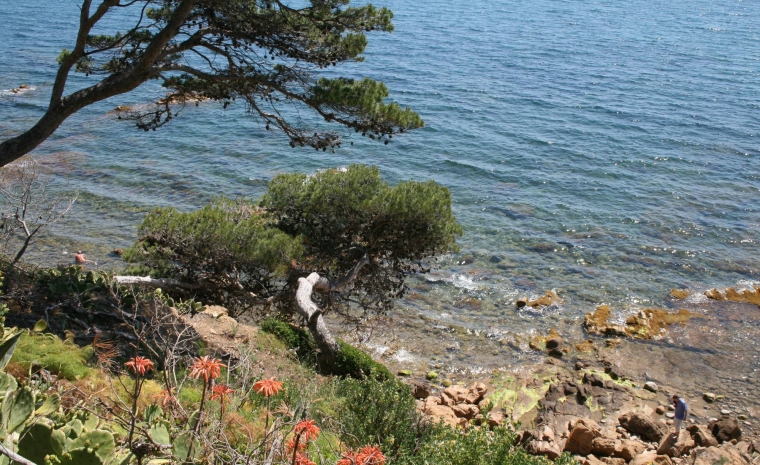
[[607, 150]]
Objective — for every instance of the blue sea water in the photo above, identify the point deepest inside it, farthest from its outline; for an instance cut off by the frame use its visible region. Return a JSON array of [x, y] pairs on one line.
[[609, 150]]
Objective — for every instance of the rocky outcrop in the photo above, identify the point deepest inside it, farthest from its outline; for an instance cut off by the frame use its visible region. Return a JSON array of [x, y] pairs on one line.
[[651, 457], [456, 405], [550, 298], [724, 455], [702, 436], [582, 434], [676, 447], [725, 429], [543, 442], [643, 425], [751, 296], [649, 323]]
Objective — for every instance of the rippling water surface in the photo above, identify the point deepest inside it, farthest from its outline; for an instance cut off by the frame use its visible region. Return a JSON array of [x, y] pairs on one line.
[[605, 149]]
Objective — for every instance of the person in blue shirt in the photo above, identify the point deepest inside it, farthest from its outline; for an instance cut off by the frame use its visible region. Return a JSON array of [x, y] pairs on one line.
[[681, 410]]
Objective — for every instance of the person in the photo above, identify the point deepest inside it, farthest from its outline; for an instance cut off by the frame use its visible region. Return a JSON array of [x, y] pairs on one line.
[[681, 410], [80, 259]]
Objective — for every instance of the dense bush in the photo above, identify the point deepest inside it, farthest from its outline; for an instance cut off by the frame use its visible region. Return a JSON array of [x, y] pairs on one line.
[[478, 446], [349, 361], [381, 412]]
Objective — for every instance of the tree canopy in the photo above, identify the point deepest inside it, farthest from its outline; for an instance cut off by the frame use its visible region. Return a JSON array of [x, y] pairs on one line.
[[267, 53], [351, 235]]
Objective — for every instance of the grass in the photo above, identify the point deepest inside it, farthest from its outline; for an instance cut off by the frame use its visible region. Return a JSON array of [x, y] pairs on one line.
[[63, 358]]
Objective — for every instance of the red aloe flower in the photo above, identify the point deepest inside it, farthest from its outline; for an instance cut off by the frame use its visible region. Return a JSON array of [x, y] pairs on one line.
[[307, 430], [267, 387], [221, 392], [370, 455], [166, 396], [139, 365], [303, 459], [291, 444], [207, 368]]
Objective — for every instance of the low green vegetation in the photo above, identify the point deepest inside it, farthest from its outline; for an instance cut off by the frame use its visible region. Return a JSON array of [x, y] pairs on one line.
[[49, 352]]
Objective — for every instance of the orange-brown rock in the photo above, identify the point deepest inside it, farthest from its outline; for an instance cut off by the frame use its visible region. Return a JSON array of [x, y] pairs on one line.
[[495, 418], [745, 295], [649, 323], [628, 449], [724, 455], [550, 298], [651, 458], [457, 393], [603, 446], [582, 434], [679, 294], [676, 447], [468, 411], [475, 393], [444, 414]]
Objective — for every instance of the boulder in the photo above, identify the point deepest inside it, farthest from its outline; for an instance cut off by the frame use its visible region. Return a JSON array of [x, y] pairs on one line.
[[420, 390], [554, 342], [444, 414], [591, 460], [457, 393], [725, 429], [431, 401], [642, 425], [613, 460], [702, 436], [495, 418], [708, 397], [543, 442], [582, 433], [475, 393], [629, 448], [467, 411], [718, 455], [676, 447], [604, 446], [651, 457], [447, 399], [651, 386]]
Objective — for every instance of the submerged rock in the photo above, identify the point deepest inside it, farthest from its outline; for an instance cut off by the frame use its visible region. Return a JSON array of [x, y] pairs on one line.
[[751, 296], [650, 323], [550, 298]]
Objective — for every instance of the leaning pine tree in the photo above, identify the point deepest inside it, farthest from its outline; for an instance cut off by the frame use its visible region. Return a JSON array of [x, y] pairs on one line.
[[266, 53], [338, 241]]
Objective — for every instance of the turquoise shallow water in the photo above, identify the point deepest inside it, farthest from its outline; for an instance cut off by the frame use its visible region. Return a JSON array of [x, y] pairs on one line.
[[606, 149]]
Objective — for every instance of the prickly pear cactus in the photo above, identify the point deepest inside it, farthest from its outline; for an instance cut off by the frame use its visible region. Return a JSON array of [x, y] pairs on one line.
[[37, 443], [81, 457], [18, 407], [100, 441]]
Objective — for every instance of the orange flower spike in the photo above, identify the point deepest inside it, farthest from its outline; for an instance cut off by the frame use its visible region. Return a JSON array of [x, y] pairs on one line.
[[267, 387], [139, 365], [166, 397], [221, 392], [206, 368], [303, 459], [348, 458], [291, 444], [370, 455], [307, 430]]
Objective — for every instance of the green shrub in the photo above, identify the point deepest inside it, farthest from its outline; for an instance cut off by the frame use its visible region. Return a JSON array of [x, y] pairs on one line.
[[479, 446], [48, 351], [380, 412], [349, 361], [293, 337], [356, 363]]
